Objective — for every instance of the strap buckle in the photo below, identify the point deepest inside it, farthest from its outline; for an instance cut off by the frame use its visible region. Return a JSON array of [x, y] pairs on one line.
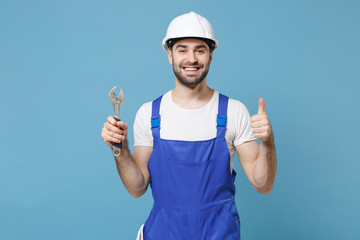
[[155, 122], [221, 121]]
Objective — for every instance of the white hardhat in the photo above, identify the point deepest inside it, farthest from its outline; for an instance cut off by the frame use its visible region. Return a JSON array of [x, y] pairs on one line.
[[189, 25]]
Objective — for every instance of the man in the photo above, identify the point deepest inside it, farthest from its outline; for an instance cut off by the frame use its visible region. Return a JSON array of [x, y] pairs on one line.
[[185, 142]]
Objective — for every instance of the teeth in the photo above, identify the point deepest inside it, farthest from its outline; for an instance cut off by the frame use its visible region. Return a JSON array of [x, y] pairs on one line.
[[191, 69]]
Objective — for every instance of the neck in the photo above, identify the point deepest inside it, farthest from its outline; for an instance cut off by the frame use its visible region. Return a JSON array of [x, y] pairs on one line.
[[191, 97]]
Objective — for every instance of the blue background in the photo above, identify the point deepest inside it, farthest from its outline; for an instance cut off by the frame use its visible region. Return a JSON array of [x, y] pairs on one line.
[[58, 59]]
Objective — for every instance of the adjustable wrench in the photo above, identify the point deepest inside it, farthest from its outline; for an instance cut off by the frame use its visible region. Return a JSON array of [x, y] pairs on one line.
[[117, 101]]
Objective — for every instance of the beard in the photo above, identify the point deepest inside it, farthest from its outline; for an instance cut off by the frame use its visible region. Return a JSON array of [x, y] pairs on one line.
[[190, 81]]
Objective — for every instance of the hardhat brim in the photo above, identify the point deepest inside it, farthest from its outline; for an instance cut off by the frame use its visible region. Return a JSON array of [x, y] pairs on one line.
[[168, 43]]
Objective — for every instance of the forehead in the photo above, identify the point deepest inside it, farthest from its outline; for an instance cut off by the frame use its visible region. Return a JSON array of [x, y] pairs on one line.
[[190, 42]]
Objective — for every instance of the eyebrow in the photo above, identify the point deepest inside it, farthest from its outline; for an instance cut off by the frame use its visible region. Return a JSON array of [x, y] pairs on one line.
[[185, 46]]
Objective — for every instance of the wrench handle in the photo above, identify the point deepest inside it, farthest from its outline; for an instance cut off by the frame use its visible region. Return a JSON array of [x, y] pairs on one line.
[[117, 146]]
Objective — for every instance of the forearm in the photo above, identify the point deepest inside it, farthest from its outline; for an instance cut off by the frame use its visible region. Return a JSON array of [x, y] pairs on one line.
[[129, 172], [265, 168]]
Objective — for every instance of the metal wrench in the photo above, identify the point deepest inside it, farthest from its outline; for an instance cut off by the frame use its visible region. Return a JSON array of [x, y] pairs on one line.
[[117, 101]]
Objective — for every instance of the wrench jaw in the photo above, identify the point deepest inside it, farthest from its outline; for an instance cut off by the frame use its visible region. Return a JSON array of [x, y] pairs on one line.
[[117, 101], [114, 98], [112, 95]]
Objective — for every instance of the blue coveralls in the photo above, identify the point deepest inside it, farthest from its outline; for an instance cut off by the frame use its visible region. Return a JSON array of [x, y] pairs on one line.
[[192, 186]]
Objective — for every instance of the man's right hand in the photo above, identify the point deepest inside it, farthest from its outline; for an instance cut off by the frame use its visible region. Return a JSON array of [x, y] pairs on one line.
[[131, 168], [113, 131]]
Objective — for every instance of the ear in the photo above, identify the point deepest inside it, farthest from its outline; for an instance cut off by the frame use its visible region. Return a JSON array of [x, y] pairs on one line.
[[211, 55], [170, 56]]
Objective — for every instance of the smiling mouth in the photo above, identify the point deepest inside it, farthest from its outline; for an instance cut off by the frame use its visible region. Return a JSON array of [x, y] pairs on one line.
[[191, 69]]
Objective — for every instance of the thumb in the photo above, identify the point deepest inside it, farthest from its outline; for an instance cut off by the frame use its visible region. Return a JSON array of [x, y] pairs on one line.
[[261, 106]]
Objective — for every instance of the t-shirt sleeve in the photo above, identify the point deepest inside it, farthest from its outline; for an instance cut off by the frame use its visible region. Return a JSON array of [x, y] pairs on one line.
[[142, 129], [243, 130]]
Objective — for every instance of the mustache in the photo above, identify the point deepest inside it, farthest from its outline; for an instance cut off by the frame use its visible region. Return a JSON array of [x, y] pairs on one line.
[[192, 65]]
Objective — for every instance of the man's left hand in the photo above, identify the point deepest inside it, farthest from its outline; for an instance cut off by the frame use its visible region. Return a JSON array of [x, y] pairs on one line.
[[260, 123]]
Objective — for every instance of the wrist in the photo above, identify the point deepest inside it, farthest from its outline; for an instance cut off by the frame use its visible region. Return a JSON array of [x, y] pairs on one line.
[[269, 142]]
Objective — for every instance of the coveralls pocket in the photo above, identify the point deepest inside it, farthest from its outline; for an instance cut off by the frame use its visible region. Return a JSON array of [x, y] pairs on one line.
[[189, 185], [156, 227], [234, 216], [227, 222]]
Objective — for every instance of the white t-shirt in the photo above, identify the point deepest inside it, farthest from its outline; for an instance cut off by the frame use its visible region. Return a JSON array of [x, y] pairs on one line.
[[194, 124]]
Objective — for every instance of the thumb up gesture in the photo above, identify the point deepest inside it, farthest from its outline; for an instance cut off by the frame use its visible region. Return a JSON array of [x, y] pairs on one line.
[[260, 123]]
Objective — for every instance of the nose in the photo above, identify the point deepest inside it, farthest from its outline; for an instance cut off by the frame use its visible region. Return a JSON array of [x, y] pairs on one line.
[[192, 57]]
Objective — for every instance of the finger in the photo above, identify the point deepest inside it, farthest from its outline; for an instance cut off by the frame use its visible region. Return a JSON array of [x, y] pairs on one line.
[[109, 139], [266, 131], [256, 124], [115, 131], [122, 125], [261, 123], [260, 135], [259, 130], [116, 135], [111, 120], [112, 128], [261, 106], [256, 118]]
